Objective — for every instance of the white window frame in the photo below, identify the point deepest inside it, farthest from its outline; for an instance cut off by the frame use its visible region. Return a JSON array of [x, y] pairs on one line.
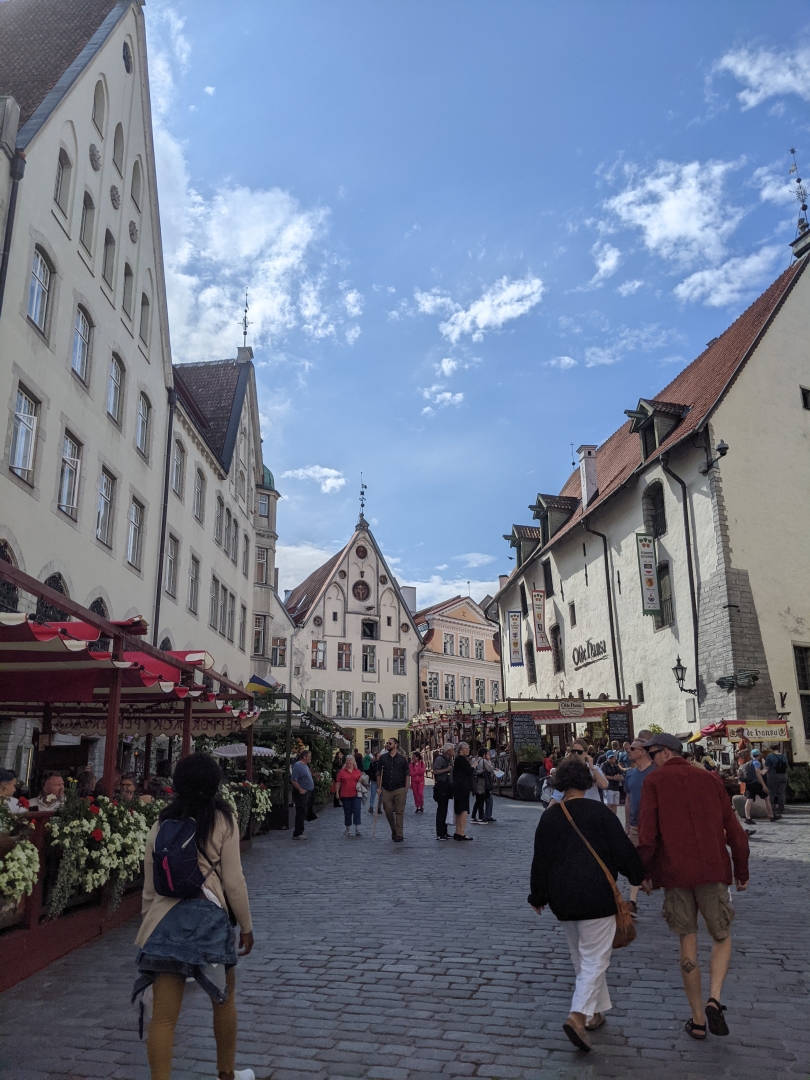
[[245, 554], [82, 336], [450, 688], [480, 653], [39, 291], [105, 508], [399, 706], [399, 661], [343, 704], [213, 602], [344, 656], [242, 626], [178, 468], [369, 658], [115, 386], [449, 644], [199, 495], [223, 608], [69, 473], [278, 652], [142, 425], [464, 647], [433, 685], [465, 688], [108, 259], [134, 533], [264, 506], [480, 691], [495, 690], [194, 584], [259, 632], [317, 700], [231, 617], [368, 705], [261, 565], [172, 562], [318, 655], [24, 435], [219, 517]]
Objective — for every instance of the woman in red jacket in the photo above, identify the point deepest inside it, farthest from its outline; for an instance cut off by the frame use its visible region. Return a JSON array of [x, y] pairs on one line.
[[347, 781], [417, 771]]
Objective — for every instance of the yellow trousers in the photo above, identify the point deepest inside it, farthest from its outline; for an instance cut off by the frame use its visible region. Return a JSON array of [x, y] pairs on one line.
[[167, 993]]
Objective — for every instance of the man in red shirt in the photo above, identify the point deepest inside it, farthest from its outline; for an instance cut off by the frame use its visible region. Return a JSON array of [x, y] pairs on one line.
[[686, 826]]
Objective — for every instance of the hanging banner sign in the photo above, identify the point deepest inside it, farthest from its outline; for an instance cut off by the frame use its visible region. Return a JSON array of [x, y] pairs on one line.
[[515, 643], [539, 612], [650, 596]]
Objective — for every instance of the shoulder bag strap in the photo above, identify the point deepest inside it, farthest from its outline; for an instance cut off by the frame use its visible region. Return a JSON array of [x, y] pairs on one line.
[[617, 895]]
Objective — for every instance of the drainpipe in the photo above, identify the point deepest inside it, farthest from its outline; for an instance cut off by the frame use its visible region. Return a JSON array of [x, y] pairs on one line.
[[690, 567], [164, 514], [17, 169], [609, 591]]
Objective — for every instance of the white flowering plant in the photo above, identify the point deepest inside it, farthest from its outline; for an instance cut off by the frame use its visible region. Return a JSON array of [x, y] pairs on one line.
[[102, 840], [19, 863], [245, 799]]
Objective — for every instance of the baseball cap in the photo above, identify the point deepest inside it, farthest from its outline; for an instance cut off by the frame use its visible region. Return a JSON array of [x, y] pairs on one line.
[[665, 741], [755, 753], [611, 754]]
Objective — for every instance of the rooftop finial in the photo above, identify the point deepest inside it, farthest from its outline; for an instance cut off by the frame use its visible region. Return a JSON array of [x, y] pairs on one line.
[[801, 193], [363, 489], [244, 322]]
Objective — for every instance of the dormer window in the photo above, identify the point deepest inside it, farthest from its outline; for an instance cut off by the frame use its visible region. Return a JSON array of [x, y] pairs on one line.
[[653, 420], [552, 512]]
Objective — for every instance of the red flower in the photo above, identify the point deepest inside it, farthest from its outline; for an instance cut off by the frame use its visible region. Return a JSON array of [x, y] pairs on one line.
[[95, 809], [115, 802], [23, 801], [97, 835], [169, 791]]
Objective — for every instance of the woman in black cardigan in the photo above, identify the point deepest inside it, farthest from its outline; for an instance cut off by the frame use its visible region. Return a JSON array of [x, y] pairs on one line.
[[463, 774], [567, 877]]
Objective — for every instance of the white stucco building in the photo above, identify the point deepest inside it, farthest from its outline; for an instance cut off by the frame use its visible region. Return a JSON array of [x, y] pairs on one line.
[[354, 643], [724, 576]]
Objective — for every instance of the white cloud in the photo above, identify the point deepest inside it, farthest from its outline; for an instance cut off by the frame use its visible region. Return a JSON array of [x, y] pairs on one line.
[[297, 561], [766, 73], [330, 480], [625, 340], [473, 559], [499, 304], [437, 588], [607, 259], [431, 303], [216, 243], [210, 90], [774, 186], [728, 284], [682, 210], [352, 334], [354, 303], [442, 566], [627, 288], [564, 363], [440, 398], [447, 366]]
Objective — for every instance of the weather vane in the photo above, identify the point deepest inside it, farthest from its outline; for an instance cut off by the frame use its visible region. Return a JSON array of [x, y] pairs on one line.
[[801, 191], [573, 462], [244, 322], [363, 489]]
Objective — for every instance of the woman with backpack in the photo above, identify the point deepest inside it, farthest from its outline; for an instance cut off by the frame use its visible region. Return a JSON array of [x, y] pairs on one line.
[[756, 786], [193, 881]]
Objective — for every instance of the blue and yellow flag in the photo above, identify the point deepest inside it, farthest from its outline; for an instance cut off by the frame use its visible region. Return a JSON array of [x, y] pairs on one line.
[[257, 685]]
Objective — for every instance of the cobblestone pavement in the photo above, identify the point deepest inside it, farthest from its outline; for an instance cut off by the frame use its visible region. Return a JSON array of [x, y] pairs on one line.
[[423, 961]]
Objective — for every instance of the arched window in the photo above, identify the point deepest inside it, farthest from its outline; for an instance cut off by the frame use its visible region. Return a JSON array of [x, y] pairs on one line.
[[655, 518], [99, 107], [88, 219], [199, 495], [108, 265], [143, 329], [227, 540], [118, 148], [104, 644], [235, 541], [129, 289], [40, 290], [218, 519], [178, 468], [81, 344], [166, 644], [47, 612], [61, 188], [9, 595], [142, 429], [115, 388], [135, 188], [126, 52]]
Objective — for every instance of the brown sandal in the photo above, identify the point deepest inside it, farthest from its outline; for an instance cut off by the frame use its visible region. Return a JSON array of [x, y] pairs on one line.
[[576, 1035]]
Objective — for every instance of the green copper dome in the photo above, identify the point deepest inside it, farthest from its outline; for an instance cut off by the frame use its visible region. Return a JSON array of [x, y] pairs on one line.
[[268, 480]]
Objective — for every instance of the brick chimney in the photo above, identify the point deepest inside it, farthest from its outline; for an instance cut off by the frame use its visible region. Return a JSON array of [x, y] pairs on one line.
[[587, 474]]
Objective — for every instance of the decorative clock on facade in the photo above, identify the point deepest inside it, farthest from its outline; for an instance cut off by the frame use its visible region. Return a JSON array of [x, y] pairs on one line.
[[360, 590], [341, 574], [383, 579], [318, 621], [405, 627], [361, 551]]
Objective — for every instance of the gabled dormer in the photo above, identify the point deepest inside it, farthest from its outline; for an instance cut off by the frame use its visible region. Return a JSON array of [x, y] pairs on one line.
[[524, 539], [653, 420], [552, 511]]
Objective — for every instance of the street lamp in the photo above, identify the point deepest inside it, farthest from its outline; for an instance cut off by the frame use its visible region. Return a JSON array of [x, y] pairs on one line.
[[679, 671]]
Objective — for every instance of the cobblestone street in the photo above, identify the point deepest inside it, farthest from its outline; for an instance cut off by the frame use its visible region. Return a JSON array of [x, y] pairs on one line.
[[423, 960]]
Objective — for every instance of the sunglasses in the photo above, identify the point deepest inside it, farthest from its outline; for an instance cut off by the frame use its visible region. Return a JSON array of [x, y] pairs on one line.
[[577, 751], [652, 753]]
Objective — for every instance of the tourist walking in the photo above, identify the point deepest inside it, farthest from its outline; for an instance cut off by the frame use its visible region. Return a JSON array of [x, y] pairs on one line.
[[395, 779], [483, 780], [578, 751], [777, 765], [612, 771], [642, 766], [303, 785], [417, 771], [686, 826], [568, 878], [372, 773], [347, 780], [463, 775], [187, 934], [756, 786], [443, 788]]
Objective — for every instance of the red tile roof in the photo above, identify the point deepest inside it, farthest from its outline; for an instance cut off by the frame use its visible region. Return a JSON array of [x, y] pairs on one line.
[[700, 387], [527, 532], [304, 595], [39, 40]]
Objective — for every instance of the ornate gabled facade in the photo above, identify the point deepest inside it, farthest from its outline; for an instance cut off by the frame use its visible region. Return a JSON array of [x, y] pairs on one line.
[[355, 647], [715, 583], [461, 658]]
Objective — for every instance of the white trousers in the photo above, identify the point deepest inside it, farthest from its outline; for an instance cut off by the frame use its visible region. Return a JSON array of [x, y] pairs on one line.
[[590, 943]]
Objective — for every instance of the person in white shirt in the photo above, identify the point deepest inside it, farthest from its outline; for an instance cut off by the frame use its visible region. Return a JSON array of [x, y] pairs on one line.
[[579, 752]]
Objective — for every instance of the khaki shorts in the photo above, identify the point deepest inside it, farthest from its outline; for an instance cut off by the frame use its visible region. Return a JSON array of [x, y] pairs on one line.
[[681, 907], [632, 832]]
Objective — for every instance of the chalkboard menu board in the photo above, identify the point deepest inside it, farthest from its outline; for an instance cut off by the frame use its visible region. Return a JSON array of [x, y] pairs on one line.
[[618, 726], [525, 733]]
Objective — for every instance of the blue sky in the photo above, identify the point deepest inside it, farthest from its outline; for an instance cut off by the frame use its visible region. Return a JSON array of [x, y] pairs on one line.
[[473, 233]]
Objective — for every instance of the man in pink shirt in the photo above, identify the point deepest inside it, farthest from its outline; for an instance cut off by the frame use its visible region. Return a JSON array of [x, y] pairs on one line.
[[686, 826]]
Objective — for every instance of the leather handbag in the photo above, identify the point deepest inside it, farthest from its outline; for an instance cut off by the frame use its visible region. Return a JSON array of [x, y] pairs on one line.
[[625, 924]]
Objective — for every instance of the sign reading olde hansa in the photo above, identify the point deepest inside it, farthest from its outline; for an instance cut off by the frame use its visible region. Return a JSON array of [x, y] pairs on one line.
[[589, 653]]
